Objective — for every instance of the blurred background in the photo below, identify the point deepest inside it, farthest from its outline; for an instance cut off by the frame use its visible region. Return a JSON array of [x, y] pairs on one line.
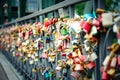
[[12, 9]]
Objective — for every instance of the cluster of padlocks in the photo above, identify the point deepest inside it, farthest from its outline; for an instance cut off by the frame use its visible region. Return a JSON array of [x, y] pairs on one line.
[[64, 46]]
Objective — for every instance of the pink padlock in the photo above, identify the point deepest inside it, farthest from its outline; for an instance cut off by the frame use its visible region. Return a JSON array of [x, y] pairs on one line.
[[83, 57], [90, 65], [76, 60], [79, 67], [105, 76], [86, 27], [96, 22], [118, 60], [18, 54]]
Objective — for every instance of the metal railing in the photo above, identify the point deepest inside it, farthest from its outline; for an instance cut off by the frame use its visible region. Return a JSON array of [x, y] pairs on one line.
[[25, 68], [54, 8]]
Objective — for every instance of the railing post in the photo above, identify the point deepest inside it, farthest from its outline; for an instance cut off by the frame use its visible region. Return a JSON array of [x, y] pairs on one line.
[[56, 15], [71, 11]]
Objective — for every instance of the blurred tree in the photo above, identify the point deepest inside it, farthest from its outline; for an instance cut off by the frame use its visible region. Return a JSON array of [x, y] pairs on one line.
[[79, 8]]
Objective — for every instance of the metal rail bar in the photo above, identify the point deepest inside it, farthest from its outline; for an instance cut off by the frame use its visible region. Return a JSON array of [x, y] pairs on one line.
[[47, 10]]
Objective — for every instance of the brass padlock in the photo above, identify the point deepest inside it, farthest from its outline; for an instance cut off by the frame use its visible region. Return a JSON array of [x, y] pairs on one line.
[[111, 72]]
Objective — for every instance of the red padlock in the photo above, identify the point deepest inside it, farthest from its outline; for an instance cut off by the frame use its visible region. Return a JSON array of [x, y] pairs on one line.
[[118, 60], [70, 55], [105, 76], [18, 54], [50, 21], [60, 48], [90, 65], [46, 24], [118, 35], [63, 54], [86, 27], [30, 32]]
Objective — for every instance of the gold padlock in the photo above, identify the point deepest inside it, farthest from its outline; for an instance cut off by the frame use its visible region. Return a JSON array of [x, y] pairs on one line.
[[111, 72]]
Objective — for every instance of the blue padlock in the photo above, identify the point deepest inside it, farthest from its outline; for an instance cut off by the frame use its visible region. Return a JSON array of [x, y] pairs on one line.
[[88, 16]]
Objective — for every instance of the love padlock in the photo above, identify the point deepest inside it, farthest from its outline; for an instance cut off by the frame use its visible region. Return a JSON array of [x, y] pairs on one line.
[[46, 23], [118, 60], [86, 27], [90, 65], [79, 67], [75, 74], [96, 22], [105, 76], [111, 72], [113, 62], [107, 19], [88, 16], [48, 39]]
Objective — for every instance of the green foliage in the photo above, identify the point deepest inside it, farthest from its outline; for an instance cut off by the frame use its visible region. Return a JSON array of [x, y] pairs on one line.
[[79, 8]]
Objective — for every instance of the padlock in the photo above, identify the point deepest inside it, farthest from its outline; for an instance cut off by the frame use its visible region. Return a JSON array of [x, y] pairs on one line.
[[31, 62], [86, 27], [118, 60], [50, 21], [100, 11], [115, 28], [105, 76], [111, 72], [92, 56], [118, 35], [107, 19], [88, 16], [83, 58], [46, 74], [51, 72], [76, 60], [34, 70], [78, 67], [46, 22], [74, 54], [96, 22], [51, 58], [58, 68], [113, 62], [74, 74], [45, 55], [90, 65], [75, 27], [106, 61], [93, 30], [18, 54], [64, 31], [69, 61], [63, 54], [60, 63]]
